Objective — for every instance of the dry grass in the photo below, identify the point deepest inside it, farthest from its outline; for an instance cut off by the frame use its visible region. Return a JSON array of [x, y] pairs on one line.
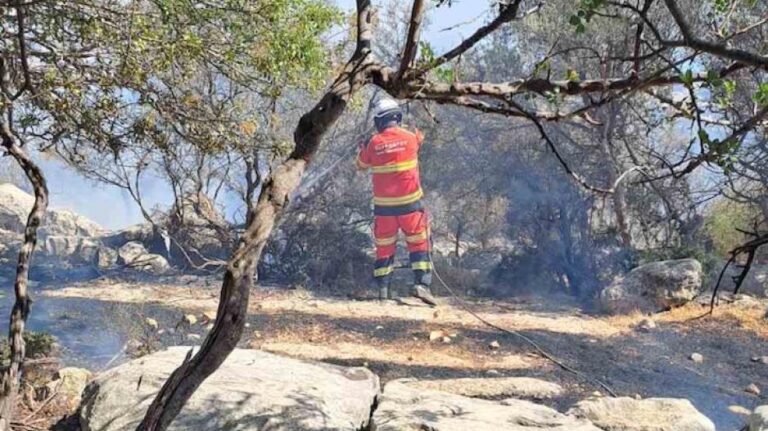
[[748, 316]]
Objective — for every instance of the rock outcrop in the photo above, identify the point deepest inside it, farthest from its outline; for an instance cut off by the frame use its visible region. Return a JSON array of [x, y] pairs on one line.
[[66, 241], [654, 287], [15, 205], [652, 414], [253, 390], [405, 408]]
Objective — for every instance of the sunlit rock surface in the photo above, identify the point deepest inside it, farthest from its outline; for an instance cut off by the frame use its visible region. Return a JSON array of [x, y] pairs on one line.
[[405, 408], [654, 287], [652, 414], [253, 390]]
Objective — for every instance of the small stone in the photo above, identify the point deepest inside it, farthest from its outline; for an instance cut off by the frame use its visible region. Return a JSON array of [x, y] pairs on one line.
[[379, 327], [493, 372], [597, 394], [739, 410], [494, 345], [193, 337], [638, 397], [646, 325], [752, 389], [209, 326], [161, 332], [152, 323], [257, 334], [447, 340], [760, 359], [436, 335], [209, 316], [247, 325], [697, 358], [190, 319], [435, 315]]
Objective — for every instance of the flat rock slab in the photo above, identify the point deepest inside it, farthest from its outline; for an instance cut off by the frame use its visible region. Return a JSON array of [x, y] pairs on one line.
[[253, 390], [403, 408], [652, 414], [493, 387]]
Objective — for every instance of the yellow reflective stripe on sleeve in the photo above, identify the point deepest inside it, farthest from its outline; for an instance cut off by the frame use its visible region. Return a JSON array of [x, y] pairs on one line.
[[386, 241], [362, 165], [419, 237], [402, 200], [421, 266], [381, 272], [395, 167]]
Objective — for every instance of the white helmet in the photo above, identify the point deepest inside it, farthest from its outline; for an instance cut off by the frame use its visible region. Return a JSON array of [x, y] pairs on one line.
[[386, 111], [385, 106]]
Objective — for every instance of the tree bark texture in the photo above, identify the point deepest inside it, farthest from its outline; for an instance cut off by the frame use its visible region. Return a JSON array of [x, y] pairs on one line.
[[9, 381]]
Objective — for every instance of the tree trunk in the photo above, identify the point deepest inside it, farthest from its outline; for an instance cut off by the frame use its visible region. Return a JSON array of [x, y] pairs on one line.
[[274, 197], [9, 381]]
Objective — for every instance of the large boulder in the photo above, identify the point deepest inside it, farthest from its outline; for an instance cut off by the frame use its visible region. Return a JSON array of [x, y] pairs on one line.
[[70, 382], [15, 205], [135, 255], [252, 390], [74, 249], [405, 408], [652, 414], [106, 257], [758, 421], [654, 287], [67, 223]]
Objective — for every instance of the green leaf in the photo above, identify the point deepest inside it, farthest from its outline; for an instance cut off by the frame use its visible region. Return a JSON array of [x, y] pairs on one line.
[[687, 77]]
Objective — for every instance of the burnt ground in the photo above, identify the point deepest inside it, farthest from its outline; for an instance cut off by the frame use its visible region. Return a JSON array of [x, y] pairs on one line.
[[393, 340]]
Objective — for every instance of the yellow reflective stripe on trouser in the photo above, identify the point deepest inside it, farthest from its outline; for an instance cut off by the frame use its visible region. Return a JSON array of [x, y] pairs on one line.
[[421, 266], [395, 167], [386, 241], [417, 238], [402, 200], [381, 272]]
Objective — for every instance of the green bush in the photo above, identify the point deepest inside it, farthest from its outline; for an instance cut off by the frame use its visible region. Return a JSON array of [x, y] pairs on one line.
[[38, 344], [723, 219]]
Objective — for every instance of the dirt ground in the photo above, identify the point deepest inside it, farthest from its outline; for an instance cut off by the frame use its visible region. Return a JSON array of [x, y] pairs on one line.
[[394, 340]]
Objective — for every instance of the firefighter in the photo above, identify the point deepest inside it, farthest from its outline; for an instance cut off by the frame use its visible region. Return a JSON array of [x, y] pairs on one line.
[[392, 155]]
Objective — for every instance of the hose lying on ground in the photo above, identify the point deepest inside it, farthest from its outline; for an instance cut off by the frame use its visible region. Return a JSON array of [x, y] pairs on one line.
[[543, 353]]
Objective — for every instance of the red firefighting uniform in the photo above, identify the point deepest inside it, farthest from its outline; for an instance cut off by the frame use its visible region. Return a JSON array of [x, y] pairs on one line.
[[392, 157]]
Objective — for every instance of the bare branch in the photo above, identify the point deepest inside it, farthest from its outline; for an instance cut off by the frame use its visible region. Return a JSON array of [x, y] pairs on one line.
[[720, 50], [506, 15], [412, 41]]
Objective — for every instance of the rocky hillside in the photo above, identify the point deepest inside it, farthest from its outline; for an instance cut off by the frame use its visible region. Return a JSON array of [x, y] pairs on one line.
[[71, 246]]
